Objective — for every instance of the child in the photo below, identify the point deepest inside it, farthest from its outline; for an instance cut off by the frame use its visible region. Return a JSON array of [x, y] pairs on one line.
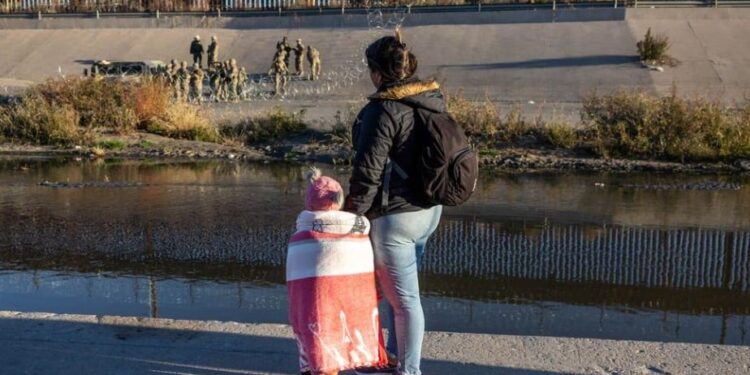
[[331, 284]]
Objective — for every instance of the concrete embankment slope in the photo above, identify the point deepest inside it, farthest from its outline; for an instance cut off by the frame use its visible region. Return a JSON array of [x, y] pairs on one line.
[[39, 343], [516, 56]]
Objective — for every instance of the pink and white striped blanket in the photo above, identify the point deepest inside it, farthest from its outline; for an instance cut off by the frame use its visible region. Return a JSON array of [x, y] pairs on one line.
[[332, 298]]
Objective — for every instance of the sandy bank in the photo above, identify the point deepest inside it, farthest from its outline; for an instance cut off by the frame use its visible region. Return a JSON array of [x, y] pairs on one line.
[[82, 344]]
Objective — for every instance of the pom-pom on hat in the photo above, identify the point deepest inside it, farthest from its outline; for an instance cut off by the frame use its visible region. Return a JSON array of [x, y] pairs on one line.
[[323, 193]]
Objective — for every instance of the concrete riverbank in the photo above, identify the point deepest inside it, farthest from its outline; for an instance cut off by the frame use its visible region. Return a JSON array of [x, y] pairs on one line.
[[37, 343], [519, 57]]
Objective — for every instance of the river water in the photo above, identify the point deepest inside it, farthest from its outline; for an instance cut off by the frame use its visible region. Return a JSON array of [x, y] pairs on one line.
[[618, 256]]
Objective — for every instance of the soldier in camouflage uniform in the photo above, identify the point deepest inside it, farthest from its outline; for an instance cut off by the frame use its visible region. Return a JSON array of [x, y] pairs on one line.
[[196, 84], [299, 58], [233, 74], [280, 72], [313, 57], [213, 51], [214, 81], [183, 79], [241, 83], [171, 78], [284, 45]]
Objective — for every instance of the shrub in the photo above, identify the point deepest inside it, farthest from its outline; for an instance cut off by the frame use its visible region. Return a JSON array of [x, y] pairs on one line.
[[111, 144], [637, 124], [98, 102], [276, 124], [560, 135], [341, 131], [478, 119], [183, 121], [33, 119], [653, 48], [152, 101]]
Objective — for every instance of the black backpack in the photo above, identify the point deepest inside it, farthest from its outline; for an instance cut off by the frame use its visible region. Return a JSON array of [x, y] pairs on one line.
[[448, 166]]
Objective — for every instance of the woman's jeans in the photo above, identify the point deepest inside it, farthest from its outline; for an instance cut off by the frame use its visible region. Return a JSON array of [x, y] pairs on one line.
[[398, 241]]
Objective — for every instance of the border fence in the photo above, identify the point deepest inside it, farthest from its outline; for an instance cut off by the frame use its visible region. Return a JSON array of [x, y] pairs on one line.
[[52, 7]]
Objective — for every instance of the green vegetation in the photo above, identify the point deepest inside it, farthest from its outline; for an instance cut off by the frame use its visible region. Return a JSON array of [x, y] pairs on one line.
[[653, 48], [111, 144], [274, 125]]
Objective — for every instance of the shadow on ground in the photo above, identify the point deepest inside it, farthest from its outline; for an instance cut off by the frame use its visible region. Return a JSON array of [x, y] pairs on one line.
[[565, 62], [39, 346]]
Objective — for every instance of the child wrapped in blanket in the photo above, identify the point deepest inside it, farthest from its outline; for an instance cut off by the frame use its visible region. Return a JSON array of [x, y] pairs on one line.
[[331, 284]]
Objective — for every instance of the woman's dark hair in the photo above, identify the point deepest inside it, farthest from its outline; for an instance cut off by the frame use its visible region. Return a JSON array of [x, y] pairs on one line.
[[389, 56]]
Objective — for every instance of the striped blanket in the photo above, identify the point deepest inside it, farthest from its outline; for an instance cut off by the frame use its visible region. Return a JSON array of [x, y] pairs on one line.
[[332, 298]]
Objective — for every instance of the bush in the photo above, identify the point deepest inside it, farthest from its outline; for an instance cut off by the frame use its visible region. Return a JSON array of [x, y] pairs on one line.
[[341, 131], [34, 120], [67, 111], [98, 102], [637, 124], [183, 121], [653, 48], [273, 125], [560, 135], [480, 120]]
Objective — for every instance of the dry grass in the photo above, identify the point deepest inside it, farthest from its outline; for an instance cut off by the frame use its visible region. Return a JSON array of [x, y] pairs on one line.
[[35, 120], [274, 125], [183, 121], [67, 111], [641, 125]]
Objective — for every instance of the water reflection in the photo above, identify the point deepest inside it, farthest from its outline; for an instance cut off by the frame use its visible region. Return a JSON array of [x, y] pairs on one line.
[[549, 254]]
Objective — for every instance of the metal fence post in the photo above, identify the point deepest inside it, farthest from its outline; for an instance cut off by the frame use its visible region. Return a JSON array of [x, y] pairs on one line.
[[554, 4], [157, 14], [635, 4], [615, 4], [97, 14], [479, 6], [716, 3], [39, 14]]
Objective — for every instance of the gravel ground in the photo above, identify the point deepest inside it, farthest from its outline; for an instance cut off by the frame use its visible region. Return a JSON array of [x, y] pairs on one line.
[[36, 343]]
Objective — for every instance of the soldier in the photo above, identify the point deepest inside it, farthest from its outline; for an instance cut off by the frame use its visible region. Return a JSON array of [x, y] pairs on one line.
[[299, 58], [196, 49], [280, 54], [224, 73], [171, 78], [313, 57], [183, 80], [233, 76], [214, 81], [284, 45], [280, 72], [242, 83], [213, 51], [196, 84]]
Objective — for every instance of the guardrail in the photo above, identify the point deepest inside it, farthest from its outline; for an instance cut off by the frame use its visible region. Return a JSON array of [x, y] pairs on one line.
[[154, 7]]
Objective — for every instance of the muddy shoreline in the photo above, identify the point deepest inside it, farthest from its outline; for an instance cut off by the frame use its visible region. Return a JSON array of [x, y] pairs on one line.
[[511, 158]]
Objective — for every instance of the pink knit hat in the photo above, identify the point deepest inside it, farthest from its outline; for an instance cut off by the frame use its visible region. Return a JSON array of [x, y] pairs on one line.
[[323, 193]]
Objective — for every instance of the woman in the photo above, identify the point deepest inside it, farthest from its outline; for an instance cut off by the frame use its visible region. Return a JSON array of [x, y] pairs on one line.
[[381, 187]]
